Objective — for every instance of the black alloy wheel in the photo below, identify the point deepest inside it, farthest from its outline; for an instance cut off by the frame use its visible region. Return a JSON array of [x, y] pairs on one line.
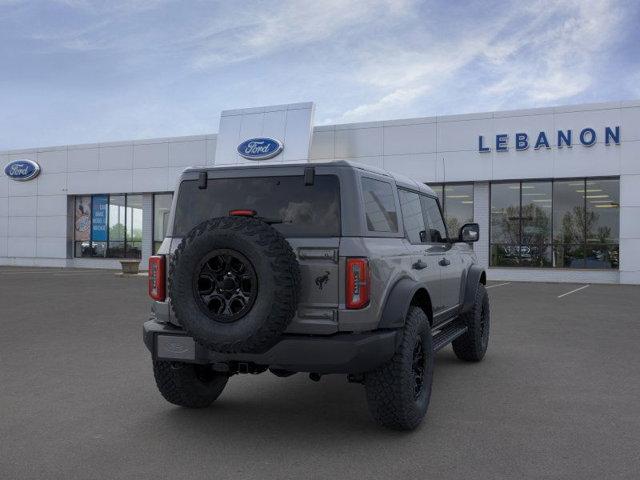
[[225, 285]]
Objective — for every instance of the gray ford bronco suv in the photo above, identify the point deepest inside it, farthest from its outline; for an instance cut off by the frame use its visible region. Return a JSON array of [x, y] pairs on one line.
[[318, 268]]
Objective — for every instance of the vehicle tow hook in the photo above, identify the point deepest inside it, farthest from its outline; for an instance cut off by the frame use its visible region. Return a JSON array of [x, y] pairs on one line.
[[315, 377]]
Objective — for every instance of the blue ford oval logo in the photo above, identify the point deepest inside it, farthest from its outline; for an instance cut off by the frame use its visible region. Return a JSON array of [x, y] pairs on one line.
[[22, 170], [260, 148]]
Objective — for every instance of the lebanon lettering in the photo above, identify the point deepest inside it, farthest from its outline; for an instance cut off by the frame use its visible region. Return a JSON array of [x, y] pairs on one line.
[[562, 139]]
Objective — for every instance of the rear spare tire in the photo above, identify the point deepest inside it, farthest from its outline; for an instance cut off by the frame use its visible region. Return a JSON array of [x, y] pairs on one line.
[[234, 284]]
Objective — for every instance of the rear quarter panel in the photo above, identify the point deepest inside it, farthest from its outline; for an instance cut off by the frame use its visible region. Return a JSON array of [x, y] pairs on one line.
[[389, 261]]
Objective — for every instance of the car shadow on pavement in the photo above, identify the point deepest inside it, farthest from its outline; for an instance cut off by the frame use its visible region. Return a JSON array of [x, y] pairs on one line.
[[256, 405]]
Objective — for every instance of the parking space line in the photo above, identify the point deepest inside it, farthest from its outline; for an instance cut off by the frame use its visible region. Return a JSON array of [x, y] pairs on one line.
[[573, 291], [498, 285]]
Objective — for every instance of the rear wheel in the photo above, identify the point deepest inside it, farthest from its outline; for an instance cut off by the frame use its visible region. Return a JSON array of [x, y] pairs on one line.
[[472, 346], [398, 392], [188, 385]]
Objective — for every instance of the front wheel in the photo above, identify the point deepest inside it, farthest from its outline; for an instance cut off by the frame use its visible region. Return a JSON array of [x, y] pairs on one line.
[[398, 392], [188, 385]]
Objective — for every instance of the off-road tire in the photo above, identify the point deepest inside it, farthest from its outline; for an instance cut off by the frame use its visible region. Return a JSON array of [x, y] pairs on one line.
[[188, 385], [278, 284], [390, 389], [472, 345]]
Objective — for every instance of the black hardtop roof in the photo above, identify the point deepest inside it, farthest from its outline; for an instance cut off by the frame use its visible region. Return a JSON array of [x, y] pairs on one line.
[[400, 180]]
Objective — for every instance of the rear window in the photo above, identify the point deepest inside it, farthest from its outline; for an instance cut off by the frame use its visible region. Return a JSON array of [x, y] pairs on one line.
[[302, 210], [379, 205]]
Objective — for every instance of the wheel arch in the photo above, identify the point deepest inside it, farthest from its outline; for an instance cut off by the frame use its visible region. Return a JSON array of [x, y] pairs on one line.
[[405, 293], [475, 276]]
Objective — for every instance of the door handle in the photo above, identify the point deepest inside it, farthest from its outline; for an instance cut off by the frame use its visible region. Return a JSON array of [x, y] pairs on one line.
[[419, 265], [444, 262]]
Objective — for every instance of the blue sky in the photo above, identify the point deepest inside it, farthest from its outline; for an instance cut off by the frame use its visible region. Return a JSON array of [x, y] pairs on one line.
[[76, 71]]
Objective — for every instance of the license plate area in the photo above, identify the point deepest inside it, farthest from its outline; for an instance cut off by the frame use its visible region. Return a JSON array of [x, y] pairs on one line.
[[175, 347]]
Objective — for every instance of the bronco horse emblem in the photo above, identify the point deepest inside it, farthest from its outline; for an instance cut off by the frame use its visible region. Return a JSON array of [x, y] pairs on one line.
[[322, 279]]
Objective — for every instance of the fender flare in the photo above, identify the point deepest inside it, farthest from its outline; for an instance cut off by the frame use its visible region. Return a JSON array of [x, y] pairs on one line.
[[397, 303], [474, 278]]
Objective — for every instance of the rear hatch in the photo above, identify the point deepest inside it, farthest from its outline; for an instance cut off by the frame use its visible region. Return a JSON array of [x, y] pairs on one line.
[[307, 213]]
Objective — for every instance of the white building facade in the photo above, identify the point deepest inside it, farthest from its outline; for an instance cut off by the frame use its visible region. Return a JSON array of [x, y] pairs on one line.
[[556, 191]]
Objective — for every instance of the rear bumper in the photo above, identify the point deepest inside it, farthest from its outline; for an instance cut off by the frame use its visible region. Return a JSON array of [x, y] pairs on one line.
[[339, 353]]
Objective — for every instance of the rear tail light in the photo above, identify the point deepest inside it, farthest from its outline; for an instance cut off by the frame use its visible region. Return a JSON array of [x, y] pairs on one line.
[[157, 277], [357, 282]]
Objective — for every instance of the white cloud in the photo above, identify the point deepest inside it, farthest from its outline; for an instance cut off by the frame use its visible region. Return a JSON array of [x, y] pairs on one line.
[[258, 32], [554, 63], [543, 52]]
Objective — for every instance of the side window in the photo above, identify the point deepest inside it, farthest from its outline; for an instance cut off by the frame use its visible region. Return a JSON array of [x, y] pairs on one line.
[[436, 231], [379, 205], [412, 216]]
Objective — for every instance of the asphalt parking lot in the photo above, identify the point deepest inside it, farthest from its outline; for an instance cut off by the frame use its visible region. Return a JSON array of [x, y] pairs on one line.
[[558, 396]]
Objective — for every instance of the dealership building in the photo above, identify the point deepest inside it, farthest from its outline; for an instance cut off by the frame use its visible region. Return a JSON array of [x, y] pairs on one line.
[[556, 190]]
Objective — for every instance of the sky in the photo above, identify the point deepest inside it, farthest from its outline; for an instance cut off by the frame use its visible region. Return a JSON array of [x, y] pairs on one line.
[[80, 71]]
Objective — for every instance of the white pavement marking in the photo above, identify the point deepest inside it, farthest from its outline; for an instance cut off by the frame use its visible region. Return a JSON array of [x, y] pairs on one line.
[[573, 291], [498, 285]]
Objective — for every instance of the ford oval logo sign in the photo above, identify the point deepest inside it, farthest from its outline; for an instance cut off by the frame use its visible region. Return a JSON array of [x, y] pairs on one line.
[[22, 170], [260, 148]]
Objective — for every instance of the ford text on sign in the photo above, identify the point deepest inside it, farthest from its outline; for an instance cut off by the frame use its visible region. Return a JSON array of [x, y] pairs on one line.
[[260, 148], [22, 170]]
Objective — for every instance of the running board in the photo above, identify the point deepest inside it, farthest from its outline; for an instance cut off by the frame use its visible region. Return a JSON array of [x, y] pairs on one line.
[[447, 335]]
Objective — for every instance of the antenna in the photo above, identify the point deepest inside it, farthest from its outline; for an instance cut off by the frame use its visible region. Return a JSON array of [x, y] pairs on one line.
[[444, 171]]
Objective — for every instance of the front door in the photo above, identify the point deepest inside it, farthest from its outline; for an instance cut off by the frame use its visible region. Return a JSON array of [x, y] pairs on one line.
[[423, 265], [440, 250]]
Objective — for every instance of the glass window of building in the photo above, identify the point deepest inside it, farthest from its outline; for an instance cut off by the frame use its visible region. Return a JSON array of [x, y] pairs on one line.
[[535, 228], [117, 219], [563, 224], [602, 198], [568, 223], [82, 226], [380, 206], [161, 210], [457, 204], [108, 226], [414, 225], [133, 247], [505, 224]]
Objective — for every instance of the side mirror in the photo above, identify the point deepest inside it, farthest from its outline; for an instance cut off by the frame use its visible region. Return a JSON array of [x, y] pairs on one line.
[[470, 232]]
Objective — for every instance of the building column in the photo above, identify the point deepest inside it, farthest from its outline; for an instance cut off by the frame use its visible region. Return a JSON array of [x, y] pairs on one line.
[[147, 229], [481, 215], [629, 229]]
